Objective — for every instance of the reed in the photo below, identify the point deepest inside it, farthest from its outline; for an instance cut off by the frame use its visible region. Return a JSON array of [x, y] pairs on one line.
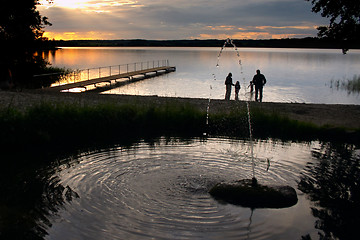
[[352, 86]]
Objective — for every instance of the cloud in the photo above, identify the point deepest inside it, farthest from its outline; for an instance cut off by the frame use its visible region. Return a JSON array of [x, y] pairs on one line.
[[182, 19]]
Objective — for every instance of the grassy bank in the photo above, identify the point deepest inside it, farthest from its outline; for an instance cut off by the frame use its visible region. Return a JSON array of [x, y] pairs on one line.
[[273, 125], [60, 125], [49, 126]]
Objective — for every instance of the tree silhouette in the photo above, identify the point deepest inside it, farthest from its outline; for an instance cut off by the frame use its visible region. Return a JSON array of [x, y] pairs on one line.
[[344, 18], [21, 36]]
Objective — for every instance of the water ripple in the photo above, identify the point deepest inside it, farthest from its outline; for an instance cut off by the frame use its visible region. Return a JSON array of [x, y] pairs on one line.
[[161, 192]]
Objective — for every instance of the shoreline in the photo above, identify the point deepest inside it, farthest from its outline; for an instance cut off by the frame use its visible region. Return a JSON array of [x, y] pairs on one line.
[[308, 42], [321, 115]]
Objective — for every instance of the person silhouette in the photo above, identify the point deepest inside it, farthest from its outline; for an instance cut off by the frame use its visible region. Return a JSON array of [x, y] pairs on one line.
[[259, 81], [251, 86], [237, 89], [228, 83]]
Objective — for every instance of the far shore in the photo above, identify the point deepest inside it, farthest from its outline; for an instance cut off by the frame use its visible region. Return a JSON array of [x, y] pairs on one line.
[[308, 42], [329, 115]]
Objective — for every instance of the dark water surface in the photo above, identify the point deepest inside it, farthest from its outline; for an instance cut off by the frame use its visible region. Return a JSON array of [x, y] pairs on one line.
[[159, 190]]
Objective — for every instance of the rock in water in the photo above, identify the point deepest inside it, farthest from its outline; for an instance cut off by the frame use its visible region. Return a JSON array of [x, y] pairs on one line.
[[248, 193]]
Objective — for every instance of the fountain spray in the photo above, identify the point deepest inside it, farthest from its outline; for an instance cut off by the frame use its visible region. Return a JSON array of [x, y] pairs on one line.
[[259, 195], [230, 42]]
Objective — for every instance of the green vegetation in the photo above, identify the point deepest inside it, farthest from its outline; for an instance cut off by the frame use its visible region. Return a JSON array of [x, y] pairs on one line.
[[272, 125], [60, 126], [72, 125], [350, 85]]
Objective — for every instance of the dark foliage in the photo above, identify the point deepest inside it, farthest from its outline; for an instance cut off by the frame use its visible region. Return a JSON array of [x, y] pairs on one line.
[[21, 37], [344, 16]]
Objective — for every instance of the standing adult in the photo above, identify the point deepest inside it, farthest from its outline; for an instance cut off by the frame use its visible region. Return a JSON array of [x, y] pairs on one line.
[[228, 83], [259, 81]]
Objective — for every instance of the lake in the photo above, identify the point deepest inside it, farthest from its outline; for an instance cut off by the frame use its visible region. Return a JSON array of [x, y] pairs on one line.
[[293, 75]]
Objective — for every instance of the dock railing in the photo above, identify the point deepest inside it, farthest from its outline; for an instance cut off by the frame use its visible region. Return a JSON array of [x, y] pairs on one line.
[[98, 72]]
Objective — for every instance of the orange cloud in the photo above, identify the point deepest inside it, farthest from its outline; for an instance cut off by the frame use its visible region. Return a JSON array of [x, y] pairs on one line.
[[285, 27], [253, 32], [221, 28], [88, 5], [248, 35], [92, 35]]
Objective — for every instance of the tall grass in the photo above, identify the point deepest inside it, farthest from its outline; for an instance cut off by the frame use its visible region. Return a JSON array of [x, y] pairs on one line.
[[68, 124], [57, 126], [349, 85], [264, 125]]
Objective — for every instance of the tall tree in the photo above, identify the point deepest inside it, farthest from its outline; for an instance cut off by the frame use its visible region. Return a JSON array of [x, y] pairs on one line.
[[344, 16], [21, 36]]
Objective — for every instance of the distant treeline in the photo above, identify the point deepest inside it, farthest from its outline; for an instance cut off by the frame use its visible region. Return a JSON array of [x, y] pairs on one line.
[[270, 43]]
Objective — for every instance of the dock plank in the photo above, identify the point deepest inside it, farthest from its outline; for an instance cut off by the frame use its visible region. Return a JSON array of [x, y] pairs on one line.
[[108, 78]]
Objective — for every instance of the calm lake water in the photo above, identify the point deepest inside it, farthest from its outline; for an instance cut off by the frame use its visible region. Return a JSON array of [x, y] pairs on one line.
[[293, 75], [159, 190]]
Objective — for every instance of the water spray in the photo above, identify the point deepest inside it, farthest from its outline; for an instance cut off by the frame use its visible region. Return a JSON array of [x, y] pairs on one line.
[[229, 41], [237, 192]]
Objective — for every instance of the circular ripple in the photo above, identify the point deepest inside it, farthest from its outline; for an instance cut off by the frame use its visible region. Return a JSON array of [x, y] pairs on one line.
[[161, 191]]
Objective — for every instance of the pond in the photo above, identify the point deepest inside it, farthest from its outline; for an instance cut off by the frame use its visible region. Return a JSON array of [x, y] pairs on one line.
[[159, 190], [293, 75]]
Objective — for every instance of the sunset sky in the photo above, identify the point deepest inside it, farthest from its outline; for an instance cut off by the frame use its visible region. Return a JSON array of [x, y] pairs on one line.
[[180, 19]]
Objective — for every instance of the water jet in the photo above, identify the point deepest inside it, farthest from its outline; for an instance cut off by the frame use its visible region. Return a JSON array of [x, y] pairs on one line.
[[248, 192]]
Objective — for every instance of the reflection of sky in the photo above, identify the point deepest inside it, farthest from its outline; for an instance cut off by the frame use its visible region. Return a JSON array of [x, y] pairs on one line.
[[293, 75], [127, 173]]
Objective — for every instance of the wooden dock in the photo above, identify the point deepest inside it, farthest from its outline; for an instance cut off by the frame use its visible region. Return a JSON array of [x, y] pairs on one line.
[[129, 75]]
